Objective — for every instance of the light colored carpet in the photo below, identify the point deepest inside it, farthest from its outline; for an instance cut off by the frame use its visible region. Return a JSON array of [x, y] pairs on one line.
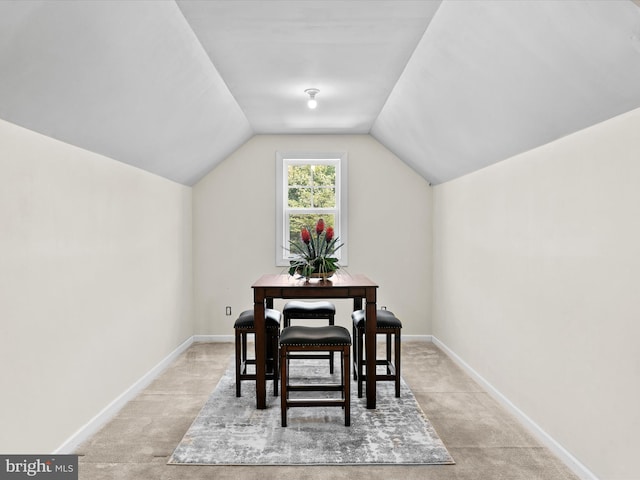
[[231, 431]]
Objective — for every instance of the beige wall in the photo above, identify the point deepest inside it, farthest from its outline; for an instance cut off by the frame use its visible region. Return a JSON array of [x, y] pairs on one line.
[[389, 229], [95, 284], [534, 282], [536, 287]]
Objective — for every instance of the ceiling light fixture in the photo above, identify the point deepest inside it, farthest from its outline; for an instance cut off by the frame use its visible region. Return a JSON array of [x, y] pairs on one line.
[[312, 102]]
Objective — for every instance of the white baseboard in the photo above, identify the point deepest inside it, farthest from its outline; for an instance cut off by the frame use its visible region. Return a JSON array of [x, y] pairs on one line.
[[569, 460], [107, 413]]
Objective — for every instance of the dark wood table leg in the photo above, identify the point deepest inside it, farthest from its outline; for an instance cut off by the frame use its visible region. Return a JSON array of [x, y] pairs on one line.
[[261, 351], [370, 346]]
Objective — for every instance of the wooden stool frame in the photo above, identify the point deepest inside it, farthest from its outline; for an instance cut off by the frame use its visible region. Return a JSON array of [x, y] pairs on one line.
[[242, 362], [345, 377], [392, 366]]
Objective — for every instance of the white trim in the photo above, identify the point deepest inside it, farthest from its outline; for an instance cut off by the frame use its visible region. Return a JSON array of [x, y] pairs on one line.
[[342, 200], [569, 460], [108, 412]]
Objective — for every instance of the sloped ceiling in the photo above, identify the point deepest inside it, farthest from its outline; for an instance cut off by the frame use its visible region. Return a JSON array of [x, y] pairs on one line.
[[449, 86], [490, 80]]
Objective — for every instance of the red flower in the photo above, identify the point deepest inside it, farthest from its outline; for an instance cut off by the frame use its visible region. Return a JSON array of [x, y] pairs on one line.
[[329, 234], [320, 226], [305, 235]]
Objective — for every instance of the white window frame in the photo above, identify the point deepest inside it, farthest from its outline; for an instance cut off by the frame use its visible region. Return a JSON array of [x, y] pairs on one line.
[[283, 159]]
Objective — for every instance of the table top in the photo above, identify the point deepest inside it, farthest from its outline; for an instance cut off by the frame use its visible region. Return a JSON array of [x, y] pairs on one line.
[[337, 280]]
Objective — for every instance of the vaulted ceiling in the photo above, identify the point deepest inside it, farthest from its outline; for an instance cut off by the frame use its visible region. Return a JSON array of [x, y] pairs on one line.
[[449, 86]]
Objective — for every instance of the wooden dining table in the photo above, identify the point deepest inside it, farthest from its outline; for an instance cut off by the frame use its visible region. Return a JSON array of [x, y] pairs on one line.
[[340, 285]]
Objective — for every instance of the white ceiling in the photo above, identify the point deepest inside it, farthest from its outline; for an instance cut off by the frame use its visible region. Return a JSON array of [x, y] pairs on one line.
[[449, 86]]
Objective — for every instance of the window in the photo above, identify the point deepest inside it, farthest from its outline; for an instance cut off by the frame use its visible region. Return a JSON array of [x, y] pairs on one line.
[[309, 187]]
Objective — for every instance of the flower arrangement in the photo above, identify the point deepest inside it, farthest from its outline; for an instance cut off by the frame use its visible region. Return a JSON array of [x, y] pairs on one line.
[[315, 253]]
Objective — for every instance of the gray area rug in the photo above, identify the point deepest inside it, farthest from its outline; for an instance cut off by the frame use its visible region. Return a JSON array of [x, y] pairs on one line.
[[231, 431]]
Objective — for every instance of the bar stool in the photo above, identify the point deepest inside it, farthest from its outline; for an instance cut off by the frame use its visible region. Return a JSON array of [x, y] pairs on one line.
[[330, 338], [244, 326], [388, 325], [299, 310]]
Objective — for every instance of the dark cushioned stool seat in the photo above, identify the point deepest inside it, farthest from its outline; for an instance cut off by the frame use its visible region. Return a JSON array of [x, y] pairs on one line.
[[245, 325], [304, 310], [329, 335], [245, 319], [296, 307], [385, 318], [387, 324], [330, 338]]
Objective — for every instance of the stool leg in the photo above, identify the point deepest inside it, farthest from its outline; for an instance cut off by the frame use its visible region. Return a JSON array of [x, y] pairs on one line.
[[388, 354], [269, 351], [244, 347], [396, 349], [343, 371], [360, 360], [238, 361], [346, 382], [331, 322], [276, 341], [354, 336], [284, 392]]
